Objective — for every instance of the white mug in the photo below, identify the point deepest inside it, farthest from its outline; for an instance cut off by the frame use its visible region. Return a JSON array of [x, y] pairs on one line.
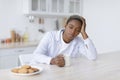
[[67, 59]]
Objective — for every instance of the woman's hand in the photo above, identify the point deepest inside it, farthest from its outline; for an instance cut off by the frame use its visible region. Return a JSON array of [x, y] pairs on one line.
[[83, 29], [83, 25], [58, 60]]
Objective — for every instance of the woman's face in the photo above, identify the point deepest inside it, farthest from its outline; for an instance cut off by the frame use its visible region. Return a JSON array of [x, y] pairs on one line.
[[72, 29]]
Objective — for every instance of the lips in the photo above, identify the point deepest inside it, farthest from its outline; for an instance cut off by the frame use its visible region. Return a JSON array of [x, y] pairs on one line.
[[70, 36]]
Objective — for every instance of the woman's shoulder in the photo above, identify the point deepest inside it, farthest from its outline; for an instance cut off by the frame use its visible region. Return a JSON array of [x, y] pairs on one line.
[[51, 33]]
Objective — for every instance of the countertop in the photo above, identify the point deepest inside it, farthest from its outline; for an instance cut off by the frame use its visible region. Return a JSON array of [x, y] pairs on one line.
[[19, 45], [106, 67]]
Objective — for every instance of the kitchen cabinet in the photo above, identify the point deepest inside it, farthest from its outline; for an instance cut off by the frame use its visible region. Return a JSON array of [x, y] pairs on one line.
[[9, 57], [59, 8]]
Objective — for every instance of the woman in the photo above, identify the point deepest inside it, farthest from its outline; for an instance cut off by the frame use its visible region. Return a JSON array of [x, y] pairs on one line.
[[66, 41]]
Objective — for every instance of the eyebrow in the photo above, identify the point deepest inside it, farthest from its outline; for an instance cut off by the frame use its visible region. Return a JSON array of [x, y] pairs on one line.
[[73, 25], [70, 24]]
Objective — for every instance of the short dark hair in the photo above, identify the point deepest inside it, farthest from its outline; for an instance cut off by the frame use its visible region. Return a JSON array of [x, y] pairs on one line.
[[74, 17]]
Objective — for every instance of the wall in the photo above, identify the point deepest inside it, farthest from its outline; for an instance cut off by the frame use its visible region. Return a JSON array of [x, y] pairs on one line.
[[103, 24], [102, 18], [12, 17]]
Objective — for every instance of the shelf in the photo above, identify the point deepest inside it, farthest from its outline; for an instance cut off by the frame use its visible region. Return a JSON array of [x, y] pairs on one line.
[[39, 14]]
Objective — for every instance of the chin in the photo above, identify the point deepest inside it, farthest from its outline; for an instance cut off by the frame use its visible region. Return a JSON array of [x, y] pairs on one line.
[[70, 39]]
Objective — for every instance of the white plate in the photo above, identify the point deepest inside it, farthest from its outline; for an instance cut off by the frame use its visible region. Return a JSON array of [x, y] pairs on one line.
[[29, 74]]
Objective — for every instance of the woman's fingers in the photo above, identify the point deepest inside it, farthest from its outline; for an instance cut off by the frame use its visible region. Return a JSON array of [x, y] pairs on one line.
[[60, 61]]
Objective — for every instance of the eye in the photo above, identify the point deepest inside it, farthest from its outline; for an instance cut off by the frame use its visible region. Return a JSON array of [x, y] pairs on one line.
[[70, 26]]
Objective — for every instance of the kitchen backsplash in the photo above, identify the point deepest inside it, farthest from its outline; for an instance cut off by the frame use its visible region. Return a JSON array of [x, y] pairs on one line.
[[33, 31]]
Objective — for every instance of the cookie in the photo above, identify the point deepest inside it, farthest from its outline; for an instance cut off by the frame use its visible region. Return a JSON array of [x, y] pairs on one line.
[[23, 70], [26, 66], [30, 71], [35, 69], [15, 70]]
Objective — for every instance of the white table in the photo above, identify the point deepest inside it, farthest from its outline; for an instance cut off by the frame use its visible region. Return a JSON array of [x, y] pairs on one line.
[[106, 67]]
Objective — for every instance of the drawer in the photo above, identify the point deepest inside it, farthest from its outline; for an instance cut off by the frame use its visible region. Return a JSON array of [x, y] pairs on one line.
[[16, 51]]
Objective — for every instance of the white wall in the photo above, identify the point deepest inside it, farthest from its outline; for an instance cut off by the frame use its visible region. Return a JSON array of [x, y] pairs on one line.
[[102, 18], [103, 23], [12, 17]]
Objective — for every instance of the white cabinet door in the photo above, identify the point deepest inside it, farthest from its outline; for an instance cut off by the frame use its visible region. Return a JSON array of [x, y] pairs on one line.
[[39, 5], [57, 6], [51, 7], [9, 57], [8, 61], [74, 6], [35, 7]]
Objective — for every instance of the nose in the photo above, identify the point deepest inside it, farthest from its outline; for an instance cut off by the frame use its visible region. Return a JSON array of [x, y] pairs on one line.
[[73, 32]]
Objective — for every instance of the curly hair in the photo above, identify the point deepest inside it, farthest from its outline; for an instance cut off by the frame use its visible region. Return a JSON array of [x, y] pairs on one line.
[[74, 17]]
